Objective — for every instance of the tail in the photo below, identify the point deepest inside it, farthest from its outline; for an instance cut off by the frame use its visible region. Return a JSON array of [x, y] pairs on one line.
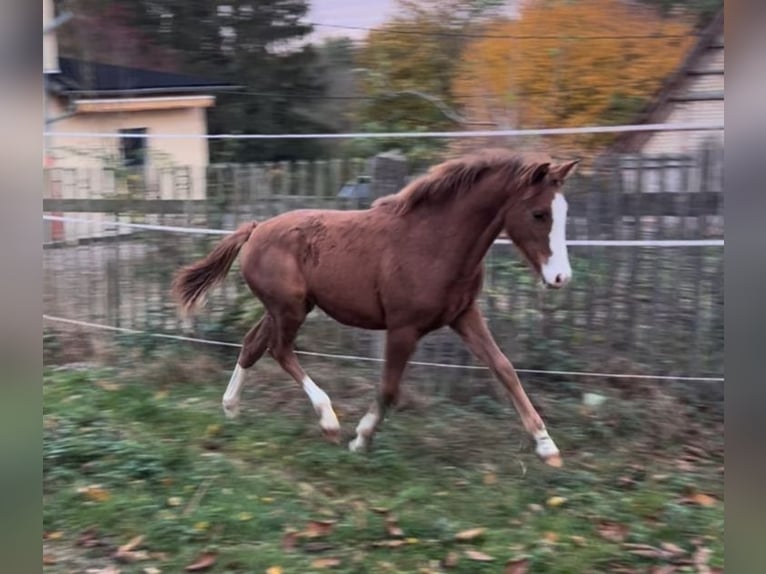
[[192, 282]]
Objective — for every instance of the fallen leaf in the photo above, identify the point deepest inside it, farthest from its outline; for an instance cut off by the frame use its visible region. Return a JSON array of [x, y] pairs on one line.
[[175, 501], [450, 561], [579, 540], [535, 507], [700, 498], [53, 535], [134, 543], [490, 478], [106, 570], [550, 537], [555, 501], [318, 528], [48, 560], [152, 570], [613, 531], [380, 509], [325, 563], [478, 556], [468, 535], [274, 570], [289, 539], [88, 539], [517, 566], [204, 562], [701, 558], [664, 569], [645, 551], [108, 386], [672, 548], [94, 492], [393, 528]]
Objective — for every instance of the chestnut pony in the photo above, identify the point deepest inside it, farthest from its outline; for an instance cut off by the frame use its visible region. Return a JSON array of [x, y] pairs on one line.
[[409, 265]]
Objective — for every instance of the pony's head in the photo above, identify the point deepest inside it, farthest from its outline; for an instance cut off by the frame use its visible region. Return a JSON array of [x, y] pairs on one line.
[[537, 221]]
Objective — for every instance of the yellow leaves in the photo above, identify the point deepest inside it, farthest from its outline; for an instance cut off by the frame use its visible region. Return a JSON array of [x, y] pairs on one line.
[[556, 501], [175, 501], [569, 63], [274, 570]]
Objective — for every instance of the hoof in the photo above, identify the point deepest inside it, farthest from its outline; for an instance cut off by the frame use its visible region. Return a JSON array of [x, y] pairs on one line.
[[331, 434], [357, 445], [554, 461], [231, 411]]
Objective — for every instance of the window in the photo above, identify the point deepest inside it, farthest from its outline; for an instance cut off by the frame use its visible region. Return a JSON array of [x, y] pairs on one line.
[[133, 149]]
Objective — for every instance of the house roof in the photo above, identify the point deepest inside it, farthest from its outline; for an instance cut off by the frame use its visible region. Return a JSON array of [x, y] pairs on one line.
[[93, 79], [672, 89]]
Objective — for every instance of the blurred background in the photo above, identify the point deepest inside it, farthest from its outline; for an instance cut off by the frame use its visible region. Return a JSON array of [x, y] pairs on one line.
[[167, 123]]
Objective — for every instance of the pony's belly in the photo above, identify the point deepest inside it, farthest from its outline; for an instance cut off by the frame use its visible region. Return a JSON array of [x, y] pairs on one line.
[[352, 315]]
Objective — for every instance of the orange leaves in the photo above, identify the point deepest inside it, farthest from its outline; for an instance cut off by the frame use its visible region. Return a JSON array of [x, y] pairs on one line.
[[570, 63]]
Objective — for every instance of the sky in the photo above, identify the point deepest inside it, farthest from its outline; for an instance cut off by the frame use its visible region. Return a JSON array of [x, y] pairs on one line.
[[363, 13]]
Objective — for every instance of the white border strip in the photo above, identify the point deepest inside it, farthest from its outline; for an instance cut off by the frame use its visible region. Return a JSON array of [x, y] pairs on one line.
[[376, 360], [571, 242], [679, 127]]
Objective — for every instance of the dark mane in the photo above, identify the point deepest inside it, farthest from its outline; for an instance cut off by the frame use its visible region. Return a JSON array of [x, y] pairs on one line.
[[453, 177]]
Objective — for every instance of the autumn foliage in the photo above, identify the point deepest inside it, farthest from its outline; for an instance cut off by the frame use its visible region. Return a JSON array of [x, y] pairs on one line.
[[563, 63]]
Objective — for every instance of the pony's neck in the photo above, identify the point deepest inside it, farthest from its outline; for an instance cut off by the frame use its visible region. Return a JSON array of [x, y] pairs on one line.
[[471, 226]]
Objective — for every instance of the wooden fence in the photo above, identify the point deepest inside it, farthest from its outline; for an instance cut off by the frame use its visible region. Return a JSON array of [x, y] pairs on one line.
[[650, 310]]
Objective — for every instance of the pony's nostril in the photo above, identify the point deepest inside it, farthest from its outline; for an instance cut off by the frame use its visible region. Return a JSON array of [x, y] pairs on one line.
[[559, 279]]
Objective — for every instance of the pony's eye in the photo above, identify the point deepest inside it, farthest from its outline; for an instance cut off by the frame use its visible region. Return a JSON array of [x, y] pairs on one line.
[[539, 215]]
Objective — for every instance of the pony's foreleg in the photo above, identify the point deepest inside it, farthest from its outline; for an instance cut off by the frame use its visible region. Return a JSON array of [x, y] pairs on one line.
[[400, 345], [473, 329], [253, 346]]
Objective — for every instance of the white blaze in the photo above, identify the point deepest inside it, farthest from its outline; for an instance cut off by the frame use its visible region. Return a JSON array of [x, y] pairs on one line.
[[558, 263]]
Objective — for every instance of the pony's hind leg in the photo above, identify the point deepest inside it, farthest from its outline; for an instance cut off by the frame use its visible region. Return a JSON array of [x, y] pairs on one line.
[[253, 346], [287, 324], [400, 345]]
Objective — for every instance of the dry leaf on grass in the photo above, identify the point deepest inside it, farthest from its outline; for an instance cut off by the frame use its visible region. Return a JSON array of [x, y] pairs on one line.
[[94, 493], [325, 563], [289, 540], [555, 501], [490, 478], [450, 561], [393, 528], [664, 569], [106, 570], [108, 386], [700, 499], [204, 562], [318, 528], [468, 535], [48, 560], [478, 556], [127, 553], [613, 531], [52, 535], [517, 566], [89, 539], [152, 570], [550, 537], [672, 549], [274, 570]]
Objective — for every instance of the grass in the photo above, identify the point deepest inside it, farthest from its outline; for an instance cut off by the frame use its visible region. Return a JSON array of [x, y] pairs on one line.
[[139, 453]]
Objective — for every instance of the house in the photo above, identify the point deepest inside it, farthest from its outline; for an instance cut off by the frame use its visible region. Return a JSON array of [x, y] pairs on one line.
[[134, 103], [693, 94]]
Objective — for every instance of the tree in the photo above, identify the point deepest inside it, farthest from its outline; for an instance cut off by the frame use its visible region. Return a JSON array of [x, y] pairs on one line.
[[406, 68], [258, 45], [566, 64]]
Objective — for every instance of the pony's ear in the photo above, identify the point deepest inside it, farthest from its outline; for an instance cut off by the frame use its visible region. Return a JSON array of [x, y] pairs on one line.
[[564, 170], [539, 173]]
